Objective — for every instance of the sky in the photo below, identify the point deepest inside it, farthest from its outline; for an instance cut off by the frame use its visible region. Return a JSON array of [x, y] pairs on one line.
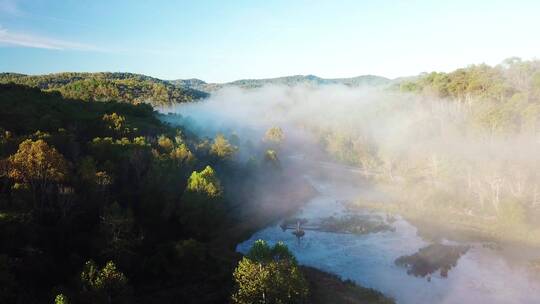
[[220, 41]]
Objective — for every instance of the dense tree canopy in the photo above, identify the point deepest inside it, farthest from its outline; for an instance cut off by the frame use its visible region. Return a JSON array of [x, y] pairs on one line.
[[108, 181], [103, 202]]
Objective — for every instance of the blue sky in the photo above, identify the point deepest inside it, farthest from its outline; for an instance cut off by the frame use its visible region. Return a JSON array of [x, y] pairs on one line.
[[221, 41]]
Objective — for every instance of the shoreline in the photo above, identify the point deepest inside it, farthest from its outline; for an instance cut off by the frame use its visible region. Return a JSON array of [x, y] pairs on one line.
[[330, 288], [431, 230], [325, 287]]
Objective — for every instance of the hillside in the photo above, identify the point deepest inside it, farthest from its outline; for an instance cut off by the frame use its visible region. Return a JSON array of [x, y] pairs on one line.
[[125, 87], [137, 88], [105, 189], [93, 184]]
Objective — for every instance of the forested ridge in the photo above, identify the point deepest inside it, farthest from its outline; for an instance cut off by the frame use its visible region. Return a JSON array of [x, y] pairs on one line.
[[289, 81], [125, 87], [137, 88]]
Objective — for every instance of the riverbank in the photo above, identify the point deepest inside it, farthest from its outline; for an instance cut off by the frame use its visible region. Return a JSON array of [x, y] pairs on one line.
[[270, 206], [451, 275], [283, 202], [438, 225], [328, 288]]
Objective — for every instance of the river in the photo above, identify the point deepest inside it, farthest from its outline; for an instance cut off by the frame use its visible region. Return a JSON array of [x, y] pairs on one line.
[[482, 275]]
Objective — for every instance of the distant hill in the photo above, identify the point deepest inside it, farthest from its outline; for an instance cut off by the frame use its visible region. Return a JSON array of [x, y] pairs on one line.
[[308, 80], [124, 87], [137, 88]]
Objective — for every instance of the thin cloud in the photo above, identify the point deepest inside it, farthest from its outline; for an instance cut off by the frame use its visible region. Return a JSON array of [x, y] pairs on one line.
[[8, 38]]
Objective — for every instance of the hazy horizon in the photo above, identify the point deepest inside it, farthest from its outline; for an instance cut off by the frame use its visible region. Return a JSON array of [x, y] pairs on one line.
[[275, 77]]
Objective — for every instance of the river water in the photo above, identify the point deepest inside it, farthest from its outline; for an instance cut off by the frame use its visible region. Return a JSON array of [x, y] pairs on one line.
[[482, 275]]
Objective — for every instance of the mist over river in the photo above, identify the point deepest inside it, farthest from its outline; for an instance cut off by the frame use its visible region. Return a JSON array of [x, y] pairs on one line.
[[482, 274], [425, 146]]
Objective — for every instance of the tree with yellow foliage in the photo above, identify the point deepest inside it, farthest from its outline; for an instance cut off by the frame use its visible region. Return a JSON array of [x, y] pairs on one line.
[[39, 166], [274, 135], [222, 148]]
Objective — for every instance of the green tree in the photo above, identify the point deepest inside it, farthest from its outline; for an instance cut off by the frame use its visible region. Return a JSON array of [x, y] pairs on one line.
[[61, 299], [205, 183], [269, 275], [106, 285], [260, 252], [251, 282], [201, 209]]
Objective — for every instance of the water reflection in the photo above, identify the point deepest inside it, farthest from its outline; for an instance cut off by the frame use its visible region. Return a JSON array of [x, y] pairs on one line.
[[460, 273]]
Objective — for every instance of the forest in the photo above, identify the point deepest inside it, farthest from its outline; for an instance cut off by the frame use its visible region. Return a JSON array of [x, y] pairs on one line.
[[103, 202], [90, 200]]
